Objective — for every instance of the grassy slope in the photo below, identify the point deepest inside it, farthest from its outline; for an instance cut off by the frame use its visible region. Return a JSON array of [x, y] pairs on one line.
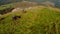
[[35, 21]]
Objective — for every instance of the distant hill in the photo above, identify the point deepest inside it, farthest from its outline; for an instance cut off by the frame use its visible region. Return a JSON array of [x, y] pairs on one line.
[[2, 2], [56, 2]]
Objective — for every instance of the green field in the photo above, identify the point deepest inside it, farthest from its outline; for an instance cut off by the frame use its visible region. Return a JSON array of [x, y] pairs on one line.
[[34, 21]]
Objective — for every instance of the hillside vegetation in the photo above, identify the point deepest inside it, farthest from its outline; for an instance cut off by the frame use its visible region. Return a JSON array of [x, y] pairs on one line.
[[37, 20], [8, 7], [22, 4]]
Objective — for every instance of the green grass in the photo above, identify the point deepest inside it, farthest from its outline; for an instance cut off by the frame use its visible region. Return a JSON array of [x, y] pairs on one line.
[[35, 21], [5, 6]]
